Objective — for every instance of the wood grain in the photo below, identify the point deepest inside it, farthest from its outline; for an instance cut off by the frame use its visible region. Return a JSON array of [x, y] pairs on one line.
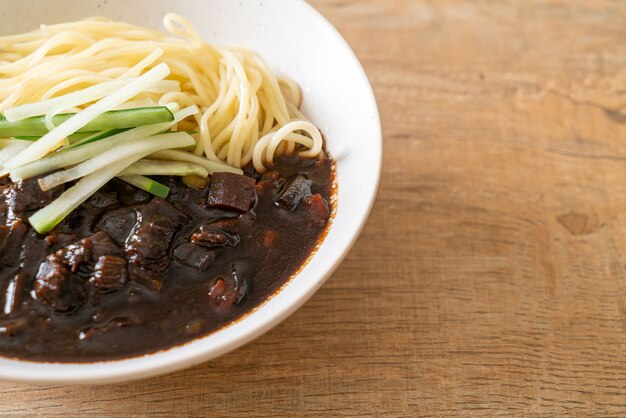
[[491, 277]]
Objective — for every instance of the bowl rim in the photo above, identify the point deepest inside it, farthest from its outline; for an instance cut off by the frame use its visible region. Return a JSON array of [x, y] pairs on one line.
[[164, 361]]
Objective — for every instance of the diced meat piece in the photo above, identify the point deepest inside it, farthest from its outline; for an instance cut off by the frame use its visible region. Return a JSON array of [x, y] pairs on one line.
[[221, 295], [159, 207], [76, 255], [271, 175], [209, 236], [113, 324], [130, 195], [148, 244], [11, 246], [145, 277], [109, 273], [186, 199], [83, 254], [57, 287], [226, 292], [137, 196], [227, 224], [59, 239], [103, 200], [317, 209], [14, 294], [195, 256], [177, 193], [119, 224], [73, 222], [231, 191], [292, 192], [26, 195], [102, 244]]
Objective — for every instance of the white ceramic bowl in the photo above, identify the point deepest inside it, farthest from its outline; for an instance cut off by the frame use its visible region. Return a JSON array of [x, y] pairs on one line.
[[299, 42]]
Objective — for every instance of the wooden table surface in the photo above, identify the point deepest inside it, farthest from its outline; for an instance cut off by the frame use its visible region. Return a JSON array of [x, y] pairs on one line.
[[491, 276]]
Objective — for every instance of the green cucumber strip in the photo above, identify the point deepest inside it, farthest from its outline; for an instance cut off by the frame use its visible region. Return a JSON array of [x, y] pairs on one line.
[[57, 136], [147, 167], [147, 184], [81, 139], [75, 155], [78, 136], [139, 149], [114, 119]]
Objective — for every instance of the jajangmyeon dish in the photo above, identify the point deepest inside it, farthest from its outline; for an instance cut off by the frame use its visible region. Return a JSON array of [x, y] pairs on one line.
[[154, 188]]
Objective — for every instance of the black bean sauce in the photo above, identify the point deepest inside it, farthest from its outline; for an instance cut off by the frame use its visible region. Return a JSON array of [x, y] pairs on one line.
[[128, 274]]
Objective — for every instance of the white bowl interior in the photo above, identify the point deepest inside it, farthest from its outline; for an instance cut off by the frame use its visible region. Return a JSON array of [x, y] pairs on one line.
[[295, 40]]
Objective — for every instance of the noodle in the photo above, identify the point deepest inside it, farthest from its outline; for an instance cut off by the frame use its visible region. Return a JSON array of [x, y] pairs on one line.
[[247, 114]]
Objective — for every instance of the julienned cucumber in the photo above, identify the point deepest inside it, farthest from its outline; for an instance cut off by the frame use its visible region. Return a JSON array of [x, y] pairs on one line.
[[148, 185], [82, 138], [114, 119]]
